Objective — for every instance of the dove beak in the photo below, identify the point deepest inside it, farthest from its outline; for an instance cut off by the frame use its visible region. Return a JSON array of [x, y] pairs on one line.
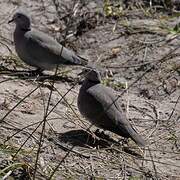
[[10, 21], [85, 71], [81, 73]]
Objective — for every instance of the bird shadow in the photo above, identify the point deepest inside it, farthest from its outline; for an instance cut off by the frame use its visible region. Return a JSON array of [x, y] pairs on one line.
[[85, 139], [97, 140]]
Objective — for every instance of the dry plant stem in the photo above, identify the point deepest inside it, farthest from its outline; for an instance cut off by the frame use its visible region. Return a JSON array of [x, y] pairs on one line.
[[159, 162], [154, 110], [62, 96], [44, 106], [56, 168], [9, 79], [73, 151], [22, 129], [6, 46], [152, 150], [69, 90], [43, 126], [67, 154], [141, 111], [153, 130], [27, 139], [154, 166], [124, 169], [1, 120], [92, 166], [174, 108], [127, 100]]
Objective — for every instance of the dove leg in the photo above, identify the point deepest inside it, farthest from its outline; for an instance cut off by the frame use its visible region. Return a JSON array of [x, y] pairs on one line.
[[36, 72]]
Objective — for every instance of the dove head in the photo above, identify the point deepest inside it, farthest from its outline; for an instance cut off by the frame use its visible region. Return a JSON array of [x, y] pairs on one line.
[[21, 20], [92, 75]]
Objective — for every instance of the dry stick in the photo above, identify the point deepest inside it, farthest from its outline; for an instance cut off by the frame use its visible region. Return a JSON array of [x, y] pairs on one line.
[[44, 104], [9, 79], [19, 130], [16, 73], [174, 108], [44, 125], [56, 168], [92, 166], [70, 107], [155, 150], [56, 5], [6, 46], [27, 139], [1, 120], [163, 59], [124, 169], [159, 162], [73, 151], [154, 167], [69, 90]]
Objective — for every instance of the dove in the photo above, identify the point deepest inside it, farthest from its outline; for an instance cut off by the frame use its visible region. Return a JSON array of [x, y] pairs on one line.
[[99, 104], [38, 49]]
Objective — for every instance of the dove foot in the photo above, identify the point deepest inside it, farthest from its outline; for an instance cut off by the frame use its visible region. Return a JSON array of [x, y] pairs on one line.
[[101, 134], [37, 72]]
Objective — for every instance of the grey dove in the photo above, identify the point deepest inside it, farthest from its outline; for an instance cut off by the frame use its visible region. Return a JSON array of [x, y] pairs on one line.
[[38, 49], [99, 105]]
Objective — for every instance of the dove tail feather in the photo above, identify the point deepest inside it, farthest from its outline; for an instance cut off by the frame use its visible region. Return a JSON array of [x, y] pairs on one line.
[[138, 139], [80, 60]]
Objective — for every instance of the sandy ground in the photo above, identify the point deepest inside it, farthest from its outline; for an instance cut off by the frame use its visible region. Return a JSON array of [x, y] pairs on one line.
[[137, 48]]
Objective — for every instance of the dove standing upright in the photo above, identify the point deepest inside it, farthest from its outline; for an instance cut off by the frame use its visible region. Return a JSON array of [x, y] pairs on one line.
[[38, 49], [99, 105]]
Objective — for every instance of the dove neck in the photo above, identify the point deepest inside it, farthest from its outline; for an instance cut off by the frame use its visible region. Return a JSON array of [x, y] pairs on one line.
[[22, 29], [19, 34], [89, 83], [93, 82], [25, 29]]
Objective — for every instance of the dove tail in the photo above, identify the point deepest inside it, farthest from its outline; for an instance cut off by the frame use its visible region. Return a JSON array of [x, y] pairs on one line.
[[138, 139], [80, 60]]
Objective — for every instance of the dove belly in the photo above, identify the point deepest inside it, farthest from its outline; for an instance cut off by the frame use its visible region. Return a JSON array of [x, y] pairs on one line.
[[92, 110], [32, 61]]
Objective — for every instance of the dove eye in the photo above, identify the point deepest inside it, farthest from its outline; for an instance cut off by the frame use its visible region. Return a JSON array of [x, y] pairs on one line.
[[18, 16]]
